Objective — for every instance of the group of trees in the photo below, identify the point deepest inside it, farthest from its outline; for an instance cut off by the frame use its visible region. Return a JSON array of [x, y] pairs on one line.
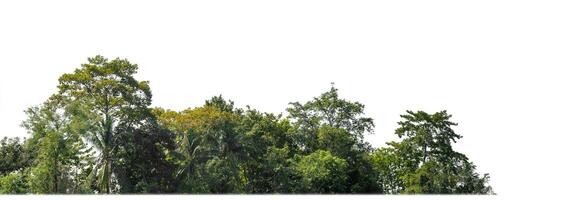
[[98, 134]]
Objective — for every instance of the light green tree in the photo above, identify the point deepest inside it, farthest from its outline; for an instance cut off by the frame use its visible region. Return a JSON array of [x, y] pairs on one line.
[[322, 172], [61, 156], [13, 183], [425, 162]]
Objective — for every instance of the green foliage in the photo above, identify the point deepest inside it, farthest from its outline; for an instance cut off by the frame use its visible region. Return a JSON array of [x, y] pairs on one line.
[[98, 134], [209, 146], [277, 175], [13, 155], [338, 141], [387, 164], [60, 154], [143, 167], [269, 150], [13, 183], [322, 172], [114, 105], [328, 109], [336, 125], [424, 161], [220, 104], [431, 134], [15, 159]]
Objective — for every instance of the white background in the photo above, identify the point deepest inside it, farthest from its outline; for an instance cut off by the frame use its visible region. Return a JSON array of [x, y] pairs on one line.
[[504, 69]]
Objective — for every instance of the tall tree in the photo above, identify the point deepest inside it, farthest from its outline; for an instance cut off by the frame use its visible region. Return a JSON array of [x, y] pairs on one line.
[[269, 151], [116, 104], [336, 125], [328, 109], [142, 164], [210, 146], [98, 135], [425, 162]]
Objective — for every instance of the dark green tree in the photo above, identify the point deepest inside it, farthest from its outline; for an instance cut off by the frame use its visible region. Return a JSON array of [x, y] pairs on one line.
[[336, 125], [14, 162], [143, 165], [13, 155], [269, 151], [116, 109]]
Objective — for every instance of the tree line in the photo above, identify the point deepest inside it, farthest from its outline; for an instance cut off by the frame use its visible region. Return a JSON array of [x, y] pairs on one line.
[[98, 135]]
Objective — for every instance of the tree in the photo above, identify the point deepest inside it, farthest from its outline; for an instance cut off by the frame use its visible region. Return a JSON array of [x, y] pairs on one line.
[[14, 160], [387, 163], [142, 165], [13, 155], [336, 140], [46, 176], [60, 154], [209, 145], [336, 125], [98, 134], [322, 172], [431, 134], [13, 183], [328, 109], [114, 105], [268, 150], [424, 161]]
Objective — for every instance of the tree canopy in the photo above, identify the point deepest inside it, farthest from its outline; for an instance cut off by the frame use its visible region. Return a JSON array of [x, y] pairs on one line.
[[425, 162], [99, 134]]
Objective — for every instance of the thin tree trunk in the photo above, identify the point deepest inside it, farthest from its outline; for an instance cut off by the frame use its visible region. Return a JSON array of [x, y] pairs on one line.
[[55, 189]]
